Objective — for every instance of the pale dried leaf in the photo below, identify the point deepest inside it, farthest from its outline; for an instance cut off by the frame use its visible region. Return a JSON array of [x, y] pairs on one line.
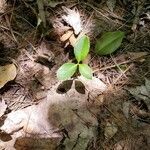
[[66, 36], [72, 40], [59, 111], [3, 107], [7, 73]]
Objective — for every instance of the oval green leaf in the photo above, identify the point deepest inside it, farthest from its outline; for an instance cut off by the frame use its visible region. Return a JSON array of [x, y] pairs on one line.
[[66, 71], [85, 71], [109, 42], [81, 48]]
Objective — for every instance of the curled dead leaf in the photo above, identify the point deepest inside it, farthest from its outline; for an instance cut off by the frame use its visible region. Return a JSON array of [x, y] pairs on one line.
[[7, 73]]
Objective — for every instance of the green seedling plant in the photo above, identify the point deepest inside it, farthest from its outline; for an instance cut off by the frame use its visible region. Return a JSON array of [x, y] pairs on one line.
[[107, 44], [81, 50]]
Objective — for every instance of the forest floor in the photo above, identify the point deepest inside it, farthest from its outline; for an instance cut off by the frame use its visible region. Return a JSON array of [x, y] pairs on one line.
[[37, 41]]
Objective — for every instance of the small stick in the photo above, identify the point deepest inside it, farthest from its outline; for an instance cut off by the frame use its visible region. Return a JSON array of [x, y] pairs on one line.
[[113, 66]]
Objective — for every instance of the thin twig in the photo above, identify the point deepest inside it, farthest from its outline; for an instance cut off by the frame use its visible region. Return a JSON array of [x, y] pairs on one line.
[[113, 66], [123, 73], [10, 28], [118, 66]]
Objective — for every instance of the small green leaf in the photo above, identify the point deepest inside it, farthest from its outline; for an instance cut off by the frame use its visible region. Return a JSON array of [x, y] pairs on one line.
[[109, 42], [85, 70], [66, 71], [81, 48]]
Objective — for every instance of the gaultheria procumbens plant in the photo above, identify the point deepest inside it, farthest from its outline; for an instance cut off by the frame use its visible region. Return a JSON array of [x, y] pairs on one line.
[[81, 50]]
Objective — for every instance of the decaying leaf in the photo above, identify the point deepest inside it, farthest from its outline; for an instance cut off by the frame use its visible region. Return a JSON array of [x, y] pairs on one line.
[[141, 106], [7, 73], [3, 107], [110, 130], [57, 112], [64, 87], [79, 86], [141, 92]]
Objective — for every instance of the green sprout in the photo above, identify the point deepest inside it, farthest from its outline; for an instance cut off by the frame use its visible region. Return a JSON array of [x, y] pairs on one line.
[[107, 44], [81, 50]]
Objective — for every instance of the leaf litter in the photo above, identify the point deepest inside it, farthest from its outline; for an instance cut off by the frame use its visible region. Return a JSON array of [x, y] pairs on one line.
[[35, 79]]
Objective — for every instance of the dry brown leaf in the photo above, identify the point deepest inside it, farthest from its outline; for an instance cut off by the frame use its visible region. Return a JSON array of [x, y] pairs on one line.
[[72, 40], [60, 111], [3, 107], [66, 36], [7, 73]]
